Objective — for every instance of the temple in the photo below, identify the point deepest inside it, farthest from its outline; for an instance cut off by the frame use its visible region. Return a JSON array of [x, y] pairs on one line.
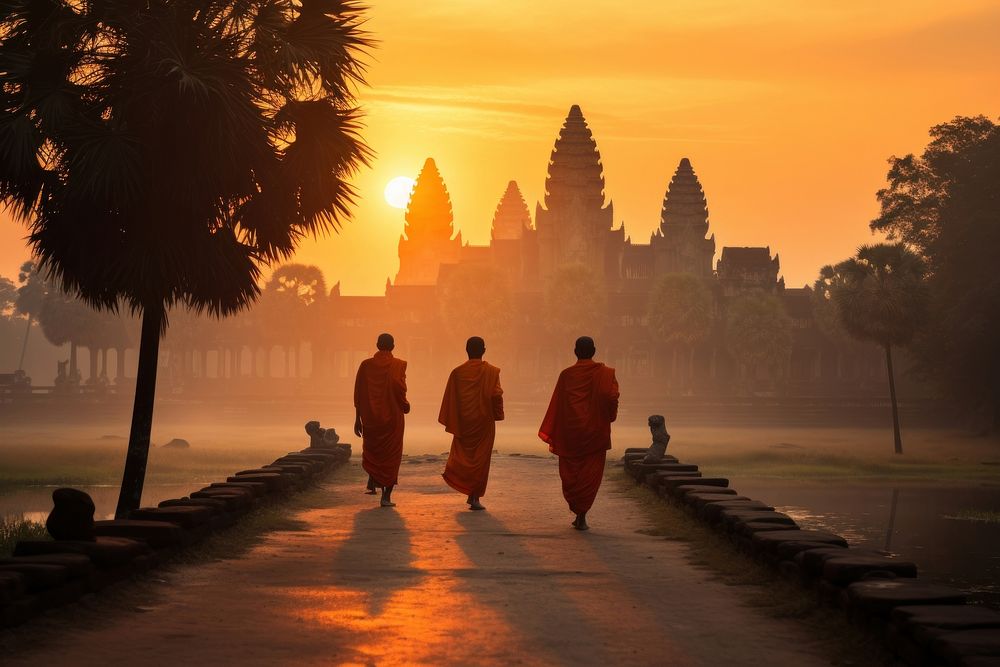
[[574, 238]]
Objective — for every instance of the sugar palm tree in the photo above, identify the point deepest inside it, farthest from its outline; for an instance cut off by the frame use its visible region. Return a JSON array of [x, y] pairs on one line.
[[163, 151], [31, 293], [880, 297]]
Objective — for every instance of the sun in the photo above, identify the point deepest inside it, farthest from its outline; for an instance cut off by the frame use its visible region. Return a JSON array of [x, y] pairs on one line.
[[397, 191]]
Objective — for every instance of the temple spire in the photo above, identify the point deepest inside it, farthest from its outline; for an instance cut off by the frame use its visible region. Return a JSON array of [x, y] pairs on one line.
[[684, 205], [429, 214], [575, 169], [429, 238], [511, 219]]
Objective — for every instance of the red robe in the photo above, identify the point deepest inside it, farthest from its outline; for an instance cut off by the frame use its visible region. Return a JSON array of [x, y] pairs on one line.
[[577, 428], [472, 404], [380, 399]]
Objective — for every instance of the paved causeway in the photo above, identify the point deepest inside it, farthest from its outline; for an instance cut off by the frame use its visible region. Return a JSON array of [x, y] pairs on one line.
[[430, 582]]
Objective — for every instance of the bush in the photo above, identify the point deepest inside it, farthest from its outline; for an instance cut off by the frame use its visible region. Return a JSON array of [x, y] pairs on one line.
[[16, 528]]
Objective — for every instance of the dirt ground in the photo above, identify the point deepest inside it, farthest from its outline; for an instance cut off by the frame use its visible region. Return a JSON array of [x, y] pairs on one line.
[[430, 582]]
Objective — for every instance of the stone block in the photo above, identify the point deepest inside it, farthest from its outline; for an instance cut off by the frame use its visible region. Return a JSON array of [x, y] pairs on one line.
[[104, 552], [749, 528], [924, 622], [686, 489], [157, 534], [72, 515], [879, 597], [258, 489], [38, 576], [847, 568], [672, 482], [957, 647], [187, 517], [789, 550], [697, 500], [766, 542], [712, 512], [78, 565], [12, 584], [217, 505], [234, 502], [812, 560], [272, 480]]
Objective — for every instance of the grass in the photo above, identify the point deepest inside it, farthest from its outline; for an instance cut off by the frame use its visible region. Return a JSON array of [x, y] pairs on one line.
[[982, 516], [16, 528], [758, 586], [102, 464]]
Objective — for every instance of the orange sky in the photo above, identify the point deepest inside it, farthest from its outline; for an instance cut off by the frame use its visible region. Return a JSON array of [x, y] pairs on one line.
[[787, 109]]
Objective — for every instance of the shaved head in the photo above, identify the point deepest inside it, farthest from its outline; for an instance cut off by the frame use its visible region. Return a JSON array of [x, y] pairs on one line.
[[385, 342], [585, 348], [475, 347]]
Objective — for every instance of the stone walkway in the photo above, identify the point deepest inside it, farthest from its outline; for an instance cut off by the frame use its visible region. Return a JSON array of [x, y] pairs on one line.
[[430, 582]]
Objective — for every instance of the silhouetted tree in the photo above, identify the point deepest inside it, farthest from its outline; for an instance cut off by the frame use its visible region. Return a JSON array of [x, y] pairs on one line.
[[880, 297], [163, 151], [828, 322], [8, 298], [944, 203], [31, 291], [680, 312], [575, 303], [758, 331], [288, 311], [476, 301]]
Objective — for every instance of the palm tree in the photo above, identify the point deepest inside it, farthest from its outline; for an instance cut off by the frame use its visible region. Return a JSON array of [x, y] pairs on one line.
[[164, 151], [680, 313], [880, 296], [291, 300], [31, 293]]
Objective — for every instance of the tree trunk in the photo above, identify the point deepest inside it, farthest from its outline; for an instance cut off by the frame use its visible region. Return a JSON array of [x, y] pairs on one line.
[[142, 413], [119, 364], [24, 345], [898, 442], [72, 360]]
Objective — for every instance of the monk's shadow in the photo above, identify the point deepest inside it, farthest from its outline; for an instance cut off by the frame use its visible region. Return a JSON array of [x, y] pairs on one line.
[[377, 558], [533, 596]]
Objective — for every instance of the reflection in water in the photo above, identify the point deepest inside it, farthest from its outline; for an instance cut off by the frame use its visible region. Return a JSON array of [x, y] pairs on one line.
[[911, 522]]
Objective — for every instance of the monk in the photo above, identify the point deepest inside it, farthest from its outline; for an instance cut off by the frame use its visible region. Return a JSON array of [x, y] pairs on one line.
[[472, 404], [577, 427], [379, 404]]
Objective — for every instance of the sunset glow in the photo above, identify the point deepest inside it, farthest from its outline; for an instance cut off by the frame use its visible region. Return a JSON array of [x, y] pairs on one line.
[[787, 110]]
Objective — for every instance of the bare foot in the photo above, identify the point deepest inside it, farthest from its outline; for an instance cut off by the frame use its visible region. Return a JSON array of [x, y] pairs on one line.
[[370, 492], [476, 505], [385, 502]]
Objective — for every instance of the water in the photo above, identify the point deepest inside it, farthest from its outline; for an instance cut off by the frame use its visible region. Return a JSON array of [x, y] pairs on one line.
[[925, 527], [35, 502]]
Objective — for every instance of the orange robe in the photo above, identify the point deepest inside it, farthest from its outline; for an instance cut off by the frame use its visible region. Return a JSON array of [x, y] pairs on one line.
[[577, 428], [380, 399], [472, 404]]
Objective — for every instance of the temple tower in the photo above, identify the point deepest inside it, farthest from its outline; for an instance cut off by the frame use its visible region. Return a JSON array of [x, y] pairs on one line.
[[681, 244], [511, 219], [574, 225], [427, 241]]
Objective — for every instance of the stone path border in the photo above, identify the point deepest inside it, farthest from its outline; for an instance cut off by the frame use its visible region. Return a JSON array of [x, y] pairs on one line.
[[921, 623], [43, 574]]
